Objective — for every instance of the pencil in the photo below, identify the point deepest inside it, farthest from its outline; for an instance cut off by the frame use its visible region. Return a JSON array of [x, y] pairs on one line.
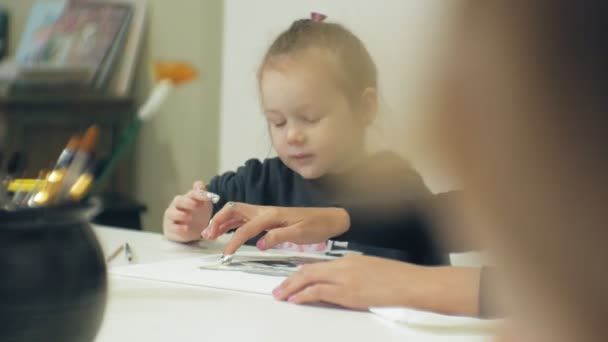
[[115, 253]]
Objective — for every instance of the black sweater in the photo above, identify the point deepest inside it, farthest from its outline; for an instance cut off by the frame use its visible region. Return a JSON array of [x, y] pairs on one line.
[[383, 196]]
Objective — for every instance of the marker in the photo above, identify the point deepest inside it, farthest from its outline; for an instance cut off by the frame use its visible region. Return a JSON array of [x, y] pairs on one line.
[[214, 198], [31, 192], [18, 197], [226, 259], [66, 156], [50, 188], [84, 183], [82, 158], [128, 252], [49, 191], [26, 183]]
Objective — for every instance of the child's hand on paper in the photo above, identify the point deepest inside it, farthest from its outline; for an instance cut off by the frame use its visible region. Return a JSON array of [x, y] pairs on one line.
[[297, 225], [361, 282], [188, 215]]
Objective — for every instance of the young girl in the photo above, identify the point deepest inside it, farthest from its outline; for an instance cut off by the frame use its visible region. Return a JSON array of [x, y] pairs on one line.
[[525, 130], [318, 88]]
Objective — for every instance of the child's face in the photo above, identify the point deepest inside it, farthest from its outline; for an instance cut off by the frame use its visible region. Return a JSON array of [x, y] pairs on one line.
[[312, 124]]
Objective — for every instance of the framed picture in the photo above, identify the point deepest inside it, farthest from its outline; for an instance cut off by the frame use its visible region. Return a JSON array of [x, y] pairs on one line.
[[122, 79], [83, 35], [63, 36]]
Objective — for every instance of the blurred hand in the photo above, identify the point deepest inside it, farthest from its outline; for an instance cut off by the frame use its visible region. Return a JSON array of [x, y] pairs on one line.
[[188, 215], [296, 225], [361, 282]]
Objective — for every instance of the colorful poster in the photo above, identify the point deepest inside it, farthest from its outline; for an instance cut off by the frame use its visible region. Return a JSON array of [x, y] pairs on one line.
[[38, 29]]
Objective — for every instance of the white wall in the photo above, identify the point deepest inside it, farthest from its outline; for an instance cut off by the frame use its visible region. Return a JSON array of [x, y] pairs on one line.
[[402, 36], [180, 144]]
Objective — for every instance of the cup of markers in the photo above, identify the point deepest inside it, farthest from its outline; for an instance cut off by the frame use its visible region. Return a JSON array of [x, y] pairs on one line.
[[54, 285], [70, 180]]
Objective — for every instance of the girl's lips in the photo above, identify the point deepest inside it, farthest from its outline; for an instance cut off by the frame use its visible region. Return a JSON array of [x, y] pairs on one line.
[[302, 157]]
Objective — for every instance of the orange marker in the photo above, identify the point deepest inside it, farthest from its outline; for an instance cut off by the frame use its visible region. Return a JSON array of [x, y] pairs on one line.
[[68, 153], [82, 158]]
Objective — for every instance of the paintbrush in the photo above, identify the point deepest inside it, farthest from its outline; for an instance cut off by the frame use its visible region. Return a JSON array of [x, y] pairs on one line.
[[167, 75]]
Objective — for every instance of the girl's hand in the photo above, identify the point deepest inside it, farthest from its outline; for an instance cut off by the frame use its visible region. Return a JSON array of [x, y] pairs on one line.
[[297, 225], [360, 282], [187, 215]]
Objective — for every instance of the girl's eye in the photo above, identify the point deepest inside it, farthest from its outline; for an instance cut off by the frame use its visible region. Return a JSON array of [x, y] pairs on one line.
[[278, 123], [276, 120], [312, 119]]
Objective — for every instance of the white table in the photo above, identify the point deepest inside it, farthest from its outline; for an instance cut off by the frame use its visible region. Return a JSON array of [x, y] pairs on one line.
[[140, 310]]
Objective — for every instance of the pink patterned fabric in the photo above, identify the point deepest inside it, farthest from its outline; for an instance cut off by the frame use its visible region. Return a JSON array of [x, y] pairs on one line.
[[306, 248]]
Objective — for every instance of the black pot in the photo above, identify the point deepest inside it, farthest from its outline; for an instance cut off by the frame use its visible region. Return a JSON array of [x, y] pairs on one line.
[[53, 282]]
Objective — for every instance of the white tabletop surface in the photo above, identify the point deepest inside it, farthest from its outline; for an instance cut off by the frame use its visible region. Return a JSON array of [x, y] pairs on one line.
[[141, 310]]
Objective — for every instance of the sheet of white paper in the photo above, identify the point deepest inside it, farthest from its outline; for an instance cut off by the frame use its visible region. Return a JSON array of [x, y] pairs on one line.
[[419, 318], [199, 272]]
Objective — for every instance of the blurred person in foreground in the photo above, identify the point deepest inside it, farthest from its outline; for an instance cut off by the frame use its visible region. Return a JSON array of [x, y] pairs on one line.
[[526, 130]]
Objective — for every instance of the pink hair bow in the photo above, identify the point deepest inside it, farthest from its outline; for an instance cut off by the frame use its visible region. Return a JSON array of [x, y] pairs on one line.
[[317, 17]]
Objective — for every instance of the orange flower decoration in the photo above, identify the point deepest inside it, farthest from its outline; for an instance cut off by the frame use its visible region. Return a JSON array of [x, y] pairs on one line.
[[176, 72]]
